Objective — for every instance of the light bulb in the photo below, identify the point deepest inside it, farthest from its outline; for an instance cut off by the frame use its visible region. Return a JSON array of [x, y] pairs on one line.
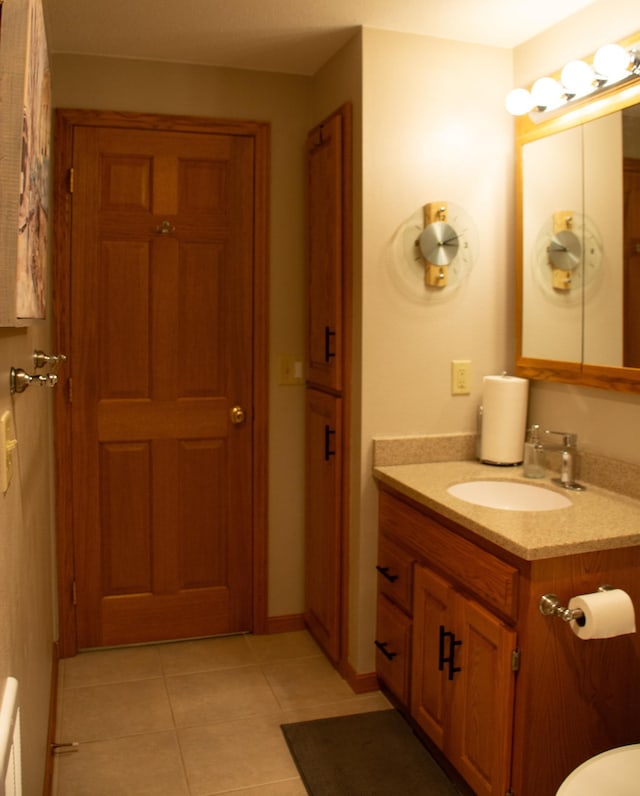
[[519, 102], [546, 93], [612, 61], [577, 77]]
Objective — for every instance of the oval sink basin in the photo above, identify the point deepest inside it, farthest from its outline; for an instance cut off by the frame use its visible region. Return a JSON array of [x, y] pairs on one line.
[[509, 495]]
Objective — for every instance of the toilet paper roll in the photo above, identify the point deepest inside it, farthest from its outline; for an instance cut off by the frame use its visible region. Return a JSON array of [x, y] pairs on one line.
[[504, 417], [606, 614]]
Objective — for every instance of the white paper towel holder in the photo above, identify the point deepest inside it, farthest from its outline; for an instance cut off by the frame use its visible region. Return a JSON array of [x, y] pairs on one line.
[[550, 605]]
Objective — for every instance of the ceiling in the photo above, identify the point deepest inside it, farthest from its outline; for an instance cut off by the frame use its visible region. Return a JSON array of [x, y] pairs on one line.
[[290, 36]]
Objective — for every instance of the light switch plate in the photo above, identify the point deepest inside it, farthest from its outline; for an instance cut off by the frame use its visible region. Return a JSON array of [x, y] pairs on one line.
[[7, 444], [290, 369]]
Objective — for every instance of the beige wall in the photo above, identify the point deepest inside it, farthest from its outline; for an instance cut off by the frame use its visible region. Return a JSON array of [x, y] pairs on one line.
[[434, 129], [605, 422], [26, 558]]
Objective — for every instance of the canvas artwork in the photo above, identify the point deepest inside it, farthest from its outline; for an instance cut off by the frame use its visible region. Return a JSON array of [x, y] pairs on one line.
[[34, 173]]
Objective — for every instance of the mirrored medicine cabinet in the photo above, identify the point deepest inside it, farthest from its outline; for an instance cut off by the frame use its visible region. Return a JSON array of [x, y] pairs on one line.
[[578, 242]]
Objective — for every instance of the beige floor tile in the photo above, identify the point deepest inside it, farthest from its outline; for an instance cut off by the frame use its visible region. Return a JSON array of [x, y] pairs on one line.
[[249, 753], [288, 787], [110, 666], [185, 657], [222, 695], [111, 711], [228, 697], [306, 682], [282, 646], [148, 765], [361, 703]]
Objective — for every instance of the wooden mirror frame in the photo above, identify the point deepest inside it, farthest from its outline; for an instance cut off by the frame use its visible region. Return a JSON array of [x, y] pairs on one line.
[[621, 379]]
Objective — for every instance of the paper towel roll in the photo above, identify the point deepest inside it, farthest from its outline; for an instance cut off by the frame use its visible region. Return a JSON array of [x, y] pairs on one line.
[[606, 614], [504, 417]]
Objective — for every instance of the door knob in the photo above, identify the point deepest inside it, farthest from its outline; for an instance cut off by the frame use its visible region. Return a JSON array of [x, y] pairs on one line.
[[238, 415]]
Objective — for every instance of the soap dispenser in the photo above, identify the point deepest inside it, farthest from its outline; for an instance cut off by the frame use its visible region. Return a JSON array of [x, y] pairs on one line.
[[534, 454]]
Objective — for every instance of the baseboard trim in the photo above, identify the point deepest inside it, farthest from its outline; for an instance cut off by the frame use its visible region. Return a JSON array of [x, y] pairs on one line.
[[285, 624], [360, 683]]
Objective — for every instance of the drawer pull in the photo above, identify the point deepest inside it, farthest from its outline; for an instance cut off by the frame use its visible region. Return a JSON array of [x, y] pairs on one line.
[[384, 571], [450, 658], [382, 646], [328, 335], [329, 434]]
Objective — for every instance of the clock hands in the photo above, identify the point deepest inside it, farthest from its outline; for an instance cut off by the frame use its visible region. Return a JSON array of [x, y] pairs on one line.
[[448, 242]]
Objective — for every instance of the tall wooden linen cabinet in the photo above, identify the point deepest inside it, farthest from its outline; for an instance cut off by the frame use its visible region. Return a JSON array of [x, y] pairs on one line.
[[328, 153]]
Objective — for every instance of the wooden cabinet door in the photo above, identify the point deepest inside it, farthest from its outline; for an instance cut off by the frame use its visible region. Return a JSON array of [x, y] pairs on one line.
[[482, 707], [462, 682], [325, 185], [431, 689], [323, 527]]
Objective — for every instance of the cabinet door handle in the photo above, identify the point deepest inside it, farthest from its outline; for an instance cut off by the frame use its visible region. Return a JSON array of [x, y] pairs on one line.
[[384, 571], [328, 334], [453, 669], [328, 452], [450, 658], [382, 646]]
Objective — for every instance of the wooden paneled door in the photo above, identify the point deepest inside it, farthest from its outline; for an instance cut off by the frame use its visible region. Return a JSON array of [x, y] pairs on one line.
[[161, 415]]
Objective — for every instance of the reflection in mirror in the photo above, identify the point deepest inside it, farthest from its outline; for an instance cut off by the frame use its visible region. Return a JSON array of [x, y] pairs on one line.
[[603, 204], [583, 183], [631, 246], [552, 176]]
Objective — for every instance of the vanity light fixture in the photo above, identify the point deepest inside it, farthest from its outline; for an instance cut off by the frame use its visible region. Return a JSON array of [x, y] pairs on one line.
[[612, 64]]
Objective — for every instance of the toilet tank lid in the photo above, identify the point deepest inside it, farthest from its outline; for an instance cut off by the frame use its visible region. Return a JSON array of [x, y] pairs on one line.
[[615, 772]]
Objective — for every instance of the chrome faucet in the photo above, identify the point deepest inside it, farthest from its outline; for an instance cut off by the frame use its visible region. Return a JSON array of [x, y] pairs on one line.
[[568, 461]]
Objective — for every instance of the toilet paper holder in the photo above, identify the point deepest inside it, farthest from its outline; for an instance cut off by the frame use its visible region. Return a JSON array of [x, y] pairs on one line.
[[550, 605]]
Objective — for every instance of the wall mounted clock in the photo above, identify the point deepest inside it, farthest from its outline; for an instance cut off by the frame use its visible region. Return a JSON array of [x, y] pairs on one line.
[[568, 254]]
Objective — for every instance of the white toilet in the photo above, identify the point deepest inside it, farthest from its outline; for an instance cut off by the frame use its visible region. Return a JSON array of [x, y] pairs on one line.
[[612, 773]]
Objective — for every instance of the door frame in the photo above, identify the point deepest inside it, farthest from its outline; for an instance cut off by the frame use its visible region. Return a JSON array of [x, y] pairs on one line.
[[65, 122]]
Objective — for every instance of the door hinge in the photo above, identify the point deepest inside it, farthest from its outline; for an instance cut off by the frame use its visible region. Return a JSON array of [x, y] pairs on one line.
[[74, 593], [515, 662], [71, 179]]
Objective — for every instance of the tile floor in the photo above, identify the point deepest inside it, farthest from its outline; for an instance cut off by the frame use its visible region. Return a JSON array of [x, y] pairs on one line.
[[194, 718]]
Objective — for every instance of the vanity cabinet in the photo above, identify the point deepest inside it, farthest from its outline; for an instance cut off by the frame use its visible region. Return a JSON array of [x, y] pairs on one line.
[[513, 699], [394, 623], [463, 681]]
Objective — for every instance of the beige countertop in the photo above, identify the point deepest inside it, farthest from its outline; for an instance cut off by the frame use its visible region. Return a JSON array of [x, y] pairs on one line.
[[597, 519]]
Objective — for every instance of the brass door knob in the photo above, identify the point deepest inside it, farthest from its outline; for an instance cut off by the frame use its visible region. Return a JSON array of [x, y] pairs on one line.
[[238, 415]]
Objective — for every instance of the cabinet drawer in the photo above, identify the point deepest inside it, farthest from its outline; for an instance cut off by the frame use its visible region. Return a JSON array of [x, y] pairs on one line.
[[494, 582], [393, 649], [395, 573]]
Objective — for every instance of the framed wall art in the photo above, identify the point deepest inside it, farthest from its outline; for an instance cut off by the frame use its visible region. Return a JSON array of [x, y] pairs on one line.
[[25, 131]]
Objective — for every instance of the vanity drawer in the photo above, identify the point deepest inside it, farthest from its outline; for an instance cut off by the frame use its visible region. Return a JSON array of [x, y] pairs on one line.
[[393, 649], [484, 576], [395, 573]]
